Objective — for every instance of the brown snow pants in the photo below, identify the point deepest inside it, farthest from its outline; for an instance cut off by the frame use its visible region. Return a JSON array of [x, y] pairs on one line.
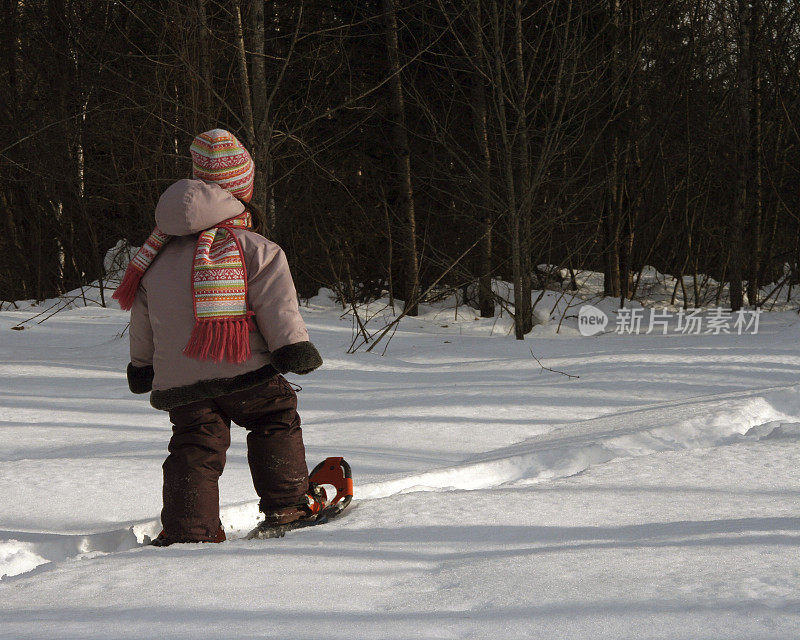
[[201, 436]]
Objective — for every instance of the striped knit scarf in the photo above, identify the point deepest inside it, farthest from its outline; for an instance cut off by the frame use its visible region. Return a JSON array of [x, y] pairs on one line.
[[219, 290]]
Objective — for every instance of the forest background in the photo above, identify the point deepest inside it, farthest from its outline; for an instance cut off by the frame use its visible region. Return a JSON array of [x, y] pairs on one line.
[[406, 147]]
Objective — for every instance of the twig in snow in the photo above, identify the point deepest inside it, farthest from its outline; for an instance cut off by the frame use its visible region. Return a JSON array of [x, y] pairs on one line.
[[569, 375], [19, 326], [121, 334]]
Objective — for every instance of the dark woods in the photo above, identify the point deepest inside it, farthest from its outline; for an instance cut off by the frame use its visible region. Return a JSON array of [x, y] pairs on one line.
[[400, 144]]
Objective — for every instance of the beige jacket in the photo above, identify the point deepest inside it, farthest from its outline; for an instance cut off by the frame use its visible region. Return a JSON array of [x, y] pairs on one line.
[[162, 316]]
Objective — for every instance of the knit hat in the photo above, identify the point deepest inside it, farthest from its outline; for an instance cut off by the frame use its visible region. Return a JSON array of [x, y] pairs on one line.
[[219, 158]]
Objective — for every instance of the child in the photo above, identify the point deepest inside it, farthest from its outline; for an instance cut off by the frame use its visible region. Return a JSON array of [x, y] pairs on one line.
[[214, 322]]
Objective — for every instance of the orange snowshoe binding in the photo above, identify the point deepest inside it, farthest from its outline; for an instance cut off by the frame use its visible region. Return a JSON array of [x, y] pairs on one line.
[[316, 507]]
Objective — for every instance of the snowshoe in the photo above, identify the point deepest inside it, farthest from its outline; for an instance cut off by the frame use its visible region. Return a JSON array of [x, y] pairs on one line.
[[316, 508]]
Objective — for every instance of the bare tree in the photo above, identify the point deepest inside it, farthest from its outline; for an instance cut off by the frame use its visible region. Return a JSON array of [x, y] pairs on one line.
[[479, 117], [743, 18], [405, 198]]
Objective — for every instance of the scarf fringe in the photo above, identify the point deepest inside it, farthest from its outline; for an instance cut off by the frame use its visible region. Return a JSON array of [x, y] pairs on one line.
[[126, 291], [220, 340]]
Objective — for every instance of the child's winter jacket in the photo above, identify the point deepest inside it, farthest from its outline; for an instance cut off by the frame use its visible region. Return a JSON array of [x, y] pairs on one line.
[[162, 316]]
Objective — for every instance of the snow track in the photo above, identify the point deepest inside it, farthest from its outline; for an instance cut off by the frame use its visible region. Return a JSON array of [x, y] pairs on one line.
[[571, 449], [21, 551]]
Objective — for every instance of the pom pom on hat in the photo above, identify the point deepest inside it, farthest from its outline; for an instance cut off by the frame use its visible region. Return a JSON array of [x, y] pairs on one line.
[[219, 158]]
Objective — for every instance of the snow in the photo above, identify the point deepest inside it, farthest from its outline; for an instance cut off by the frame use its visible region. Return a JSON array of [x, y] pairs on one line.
[[653, 496]]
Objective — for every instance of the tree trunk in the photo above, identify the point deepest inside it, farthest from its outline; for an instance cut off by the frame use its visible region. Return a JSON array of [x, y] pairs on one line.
[[205, 103], [258, 67], [631, 204], [780, 159], [262, 194], [405, 198], [13, 258], [10, 35], [507, 155], [610, 245], [742, 142], [613, 206], [64, 200], [485, 296], [244, 78], [522, 180], [753, 278]]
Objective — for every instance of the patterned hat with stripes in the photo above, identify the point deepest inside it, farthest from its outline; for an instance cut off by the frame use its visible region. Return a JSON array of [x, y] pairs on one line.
[[218, 157]]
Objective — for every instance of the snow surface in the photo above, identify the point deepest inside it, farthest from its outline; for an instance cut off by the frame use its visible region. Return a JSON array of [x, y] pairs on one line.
[[655, 496]]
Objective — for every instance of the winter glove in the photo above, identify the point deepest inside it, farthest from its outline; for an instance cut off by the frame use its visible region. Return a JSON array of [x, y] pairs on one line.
[[300, 357], [140, 379]]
